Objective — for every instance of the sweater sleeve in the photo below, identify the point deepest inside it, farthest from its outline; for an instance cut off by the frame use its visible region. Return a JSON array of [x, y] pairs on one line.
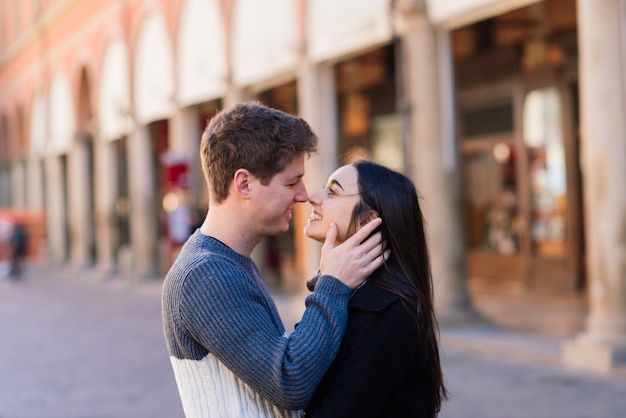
[[226, 313]]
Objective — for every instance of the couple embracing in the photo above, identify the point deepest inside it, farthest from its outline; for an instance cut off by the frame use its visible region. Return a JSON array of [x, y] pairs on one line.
[[366, 345]]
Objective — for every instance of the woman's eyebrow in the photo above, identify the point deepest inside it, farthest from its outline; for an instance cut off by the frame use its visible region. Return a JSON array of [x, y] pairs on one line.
[[333, 181]]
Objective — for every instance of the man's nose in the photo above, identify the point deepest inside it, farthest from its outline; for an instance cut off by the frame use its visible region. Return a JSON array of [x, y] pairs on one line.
[[301, 194]]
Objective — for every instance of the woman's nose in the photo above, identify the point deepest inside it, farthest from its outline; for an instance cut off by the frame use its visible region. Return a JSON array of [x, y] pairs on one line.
[[315, 198]]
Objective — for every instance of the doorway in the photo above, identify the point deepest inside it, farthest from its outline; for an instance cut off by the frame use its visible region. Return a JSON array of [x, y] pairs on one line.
[[521, 185]]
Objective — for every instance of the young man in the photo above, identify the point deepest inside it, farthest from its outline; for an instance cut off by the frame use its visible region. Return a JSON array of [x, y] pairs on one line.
[[228, 347]]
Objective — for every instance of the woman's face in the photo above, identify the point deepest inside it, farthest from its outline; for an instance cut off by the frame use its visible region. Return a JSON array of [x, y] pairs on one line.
[[334, 203]]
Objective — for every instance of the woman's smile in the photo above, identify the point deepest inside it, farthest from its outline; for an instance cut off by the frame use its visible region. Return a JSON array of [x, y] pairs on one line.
[[315, 217]]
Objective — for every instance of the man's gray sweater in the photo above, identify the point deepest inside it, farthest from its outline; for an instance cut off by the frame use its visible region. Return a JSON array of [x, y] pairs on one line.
[[229, 350]]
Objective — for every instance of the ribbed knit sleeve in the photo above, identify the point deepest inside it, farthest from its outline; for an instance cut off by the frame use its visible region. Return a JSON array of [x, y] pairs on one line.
[[221, 306]]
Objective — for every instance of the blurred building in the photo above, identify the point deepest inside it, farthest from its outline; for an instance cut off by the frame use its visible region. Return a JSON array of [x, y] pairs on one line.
[[508, 115]]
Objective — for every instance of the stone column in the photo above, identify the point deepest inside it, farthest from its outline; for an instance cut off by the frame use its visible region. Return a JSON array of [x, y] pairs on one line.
[[603, 141], [185, 133], [432, 161], [106, 192], [34, 201], [55, 204], [79, 191], [184, 137], [6, 194], [18, 183], [316, 103], [198, 183], [144, 239], [184, 130], [35, 167]]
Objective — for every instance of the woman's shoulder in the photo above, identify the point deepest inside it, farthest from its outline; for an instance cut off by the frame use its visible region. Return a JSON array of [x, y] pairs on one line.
[[377, 314], [370, 297], [373, 303]]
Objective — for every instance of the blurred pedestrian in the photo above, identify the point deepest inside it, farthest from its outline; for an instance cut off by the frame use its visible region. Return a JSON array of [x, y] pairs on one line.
[[227, 344], [18, 250], [388, 364]]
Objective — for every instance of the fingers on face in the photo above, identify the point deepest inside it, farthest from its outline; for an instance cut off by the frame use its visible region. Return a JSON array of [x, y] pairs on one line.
[[373, 258], [362, 233], [372, 247], [373, 242], [331, 234]]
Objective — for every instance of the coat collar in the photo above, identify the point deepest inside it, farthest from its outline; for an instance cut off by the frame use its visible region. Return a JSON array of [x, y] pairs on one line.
[[372, 298]]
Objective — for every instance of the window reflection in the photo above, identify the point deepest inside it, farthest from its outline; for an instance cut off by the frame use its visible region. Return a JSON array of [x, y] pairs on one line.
[[543, 138]]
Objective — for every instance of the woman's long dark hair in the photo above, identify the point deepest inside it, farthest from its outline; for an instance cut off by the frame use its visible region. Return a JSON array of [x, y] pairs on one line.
[[407, 272]]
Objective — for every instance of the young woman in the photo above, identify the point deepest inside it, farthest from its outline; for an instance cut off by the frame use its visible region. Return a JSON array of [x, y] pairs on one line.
[[388, 362]]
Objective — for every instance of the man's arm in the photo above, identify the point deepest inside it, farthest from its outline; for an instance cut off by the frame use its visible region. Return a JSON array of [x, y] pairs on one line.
[[229, 316]]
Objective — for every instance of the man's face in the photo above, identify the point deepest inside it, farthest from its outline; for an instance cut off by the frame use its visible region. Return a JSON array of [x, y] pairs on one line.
[[275, 202]]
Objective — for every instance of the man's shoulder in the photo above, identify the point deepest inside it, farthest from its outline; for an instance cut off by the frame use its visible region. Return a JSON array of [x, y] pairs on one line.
[[202, 264]]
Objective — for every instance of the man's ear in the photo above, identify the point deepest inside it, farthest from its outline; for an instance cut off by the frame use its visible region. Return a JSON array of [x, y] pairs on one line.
[[241, 182]]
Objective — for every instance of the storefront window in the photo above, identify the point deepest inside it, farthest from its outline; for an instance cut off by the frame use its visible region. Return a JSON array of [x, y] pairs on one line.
[[281, 97], [488, 120], [493, 221], [543, 138], [369, 124]]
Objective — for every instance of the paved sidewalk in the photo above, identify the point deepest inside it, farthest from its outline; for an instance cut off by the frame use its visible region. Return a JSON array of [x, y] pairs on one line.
[[496, 372], [71, 348], [77, 348], [485, 386]]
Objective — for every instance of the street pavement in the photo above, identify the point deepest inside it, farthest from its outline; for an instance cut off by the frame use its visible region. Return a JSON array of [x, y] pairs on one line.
[[72, 348], [75, 347]]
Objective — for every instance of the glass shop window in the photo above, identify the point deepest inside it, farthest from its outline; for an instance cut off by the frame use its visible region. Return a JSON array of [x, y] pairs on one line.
[[543, 138]]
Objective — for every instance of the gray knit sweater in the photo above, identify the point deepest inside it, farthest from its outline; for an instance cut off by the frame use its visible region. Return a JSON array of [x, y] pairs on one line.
[[227, 345]]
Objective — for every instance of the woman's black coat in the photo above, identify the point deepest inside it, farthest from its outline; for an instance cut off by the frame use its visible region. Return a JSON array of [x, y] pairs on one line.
[[380, 370]]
